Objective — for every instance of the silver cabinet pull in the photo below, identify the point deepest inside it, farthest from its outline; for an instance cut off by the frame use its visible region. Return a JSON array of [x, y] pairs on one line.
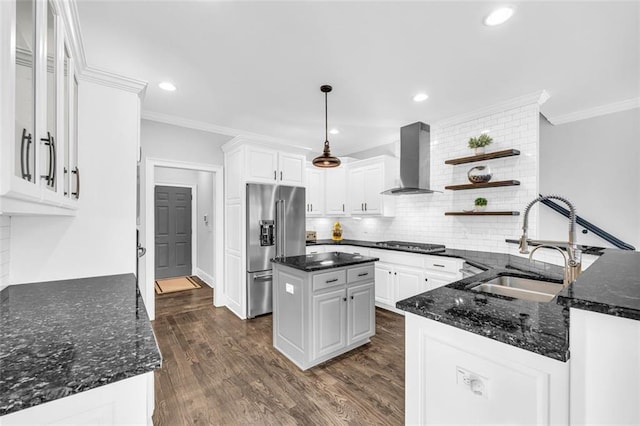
[[280, 175], [364, 274], [274, 175], [331, 281], [438, 265]]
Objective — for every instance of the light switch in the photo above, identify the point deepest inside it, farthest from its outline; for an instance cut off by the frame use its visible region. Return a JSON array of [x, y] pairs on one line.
[[475, 383], [288, 288]]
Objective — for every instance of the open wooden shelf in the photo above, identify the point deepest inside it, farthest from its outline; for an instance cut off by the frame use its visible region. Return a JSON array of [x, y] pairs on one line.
[[514, 213], [482, 157], [483, 185]]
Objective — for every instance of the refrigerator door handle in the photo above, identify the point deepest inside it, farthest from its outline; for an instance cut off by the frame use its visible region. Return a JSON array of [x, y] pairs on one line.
[[280, 228], [283, 229]]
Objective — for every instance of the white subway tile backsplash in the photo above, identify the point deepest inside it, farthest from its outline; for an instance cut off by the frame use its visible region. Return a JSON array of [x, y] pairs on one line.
[[420, 218]]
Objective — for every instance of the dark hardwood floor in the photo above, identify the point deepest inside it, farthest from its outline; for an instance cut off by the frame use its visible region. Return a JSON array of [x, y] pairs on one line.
[[220, 370]]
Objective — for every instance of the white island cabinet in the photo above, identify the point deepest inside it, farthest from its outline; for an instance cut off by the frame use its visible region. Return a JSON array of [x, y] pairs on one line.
[[321, 314], [457, 377]]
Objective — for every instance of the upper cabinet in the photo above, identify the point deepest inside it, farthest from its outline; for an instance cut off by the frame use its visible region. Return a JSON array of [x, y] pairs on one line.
[[315, 199], [268, 166], [335, 191], [38, 144], [367, 179]]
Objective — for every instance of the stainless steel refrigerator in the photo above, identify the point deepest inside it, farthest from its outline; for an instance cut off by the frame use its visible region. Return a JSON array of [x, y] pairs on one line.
[[275, 228]]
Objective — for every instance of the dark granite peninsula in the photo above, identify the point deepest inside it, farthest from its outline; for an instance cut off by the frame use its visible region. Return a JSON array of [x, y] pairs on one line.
[[60, 339], [323, 305]]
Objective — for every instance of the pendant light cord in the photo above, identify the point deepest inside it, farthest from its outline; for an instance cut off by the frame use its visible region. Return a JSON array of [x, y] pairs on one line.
[[326, 133]]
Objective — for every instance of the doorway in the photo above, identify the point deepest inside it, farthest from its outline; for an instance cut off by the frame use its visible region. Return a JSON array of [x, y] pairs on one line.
[[159, 172], [173, 231]]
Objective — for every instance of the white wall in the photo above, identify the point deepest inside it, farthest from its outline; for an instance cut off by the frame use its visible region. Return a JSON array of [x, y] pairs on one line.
[[100, 239], [168, 142], [420, 218], [5, 242], [595, 163], [203, 181]]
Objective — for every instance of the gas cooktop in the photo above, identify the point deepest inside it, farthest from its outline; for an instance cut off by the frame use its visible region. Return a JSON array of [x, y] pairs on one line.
[[418, 247]]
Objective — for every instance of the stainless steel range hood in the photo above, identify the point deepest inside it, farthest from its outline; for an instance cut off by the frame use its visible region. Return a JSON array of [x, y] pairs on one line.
[[415, 156]]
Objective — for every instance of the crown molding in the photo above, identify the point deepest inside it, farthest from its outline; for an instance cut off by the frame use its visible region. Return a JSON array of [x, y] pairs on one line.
[[107, 78], [190, 124], [595, 111], [239, 136], [538, 98]]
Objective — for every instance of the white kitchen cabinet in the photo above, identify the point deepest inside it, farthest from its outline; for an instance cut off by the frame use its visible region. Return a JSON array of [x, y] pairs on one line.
[[315, 249], [329, 323], [320, 315], [335, 191], [38, 148], [265, 165], [250, 161], [448, 368], [384, 284], [367, 179], [315, 192], [409, 281], [400, 275], [361, 321]]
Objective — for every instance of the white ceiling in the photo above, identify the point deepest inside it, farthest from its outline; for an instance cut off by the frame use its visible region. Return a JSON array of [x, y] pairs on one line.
[[258, 66]]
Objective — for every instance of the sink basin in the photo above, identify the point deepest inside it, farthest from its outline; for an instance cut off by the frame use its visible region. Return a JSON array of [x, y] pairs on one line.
[[521, 288]]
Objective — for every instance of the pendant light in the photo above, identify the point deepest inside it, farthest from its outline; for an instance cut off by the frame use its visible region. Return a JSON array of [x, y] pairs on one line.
[[326, 160]]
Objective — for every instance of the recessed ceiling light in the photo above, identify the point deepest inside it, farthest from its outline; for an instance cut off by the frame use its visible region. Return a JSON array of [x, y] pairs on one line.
[[334, 131], [165, 85], [498, 16], [421, 97]]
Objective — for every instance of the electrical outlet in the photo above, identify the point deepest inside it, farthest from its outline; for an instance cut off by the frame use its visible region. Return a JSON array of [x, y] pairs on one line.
[[475, 383], [288, 288]]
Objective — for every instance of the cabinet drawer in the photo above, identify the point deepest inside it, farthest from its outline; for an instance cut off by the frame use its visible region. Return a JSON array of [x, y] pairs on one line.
[[329, 279], [443, 264], [362, 273]]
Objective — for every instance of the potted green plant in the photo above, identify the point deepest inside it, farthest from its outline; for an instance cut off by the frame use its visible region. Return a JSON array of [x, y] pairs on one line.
[[480, 142], [481, 204]]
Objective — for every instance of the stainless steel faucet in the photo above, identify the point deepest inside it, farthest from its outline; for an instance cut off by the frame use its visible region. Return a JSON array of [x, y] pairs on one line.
[[573, 263]]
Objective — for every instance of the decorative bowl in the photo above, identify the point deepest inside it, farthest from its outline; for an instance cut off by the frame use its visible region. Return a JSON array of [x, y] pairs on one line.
[[479, 174]]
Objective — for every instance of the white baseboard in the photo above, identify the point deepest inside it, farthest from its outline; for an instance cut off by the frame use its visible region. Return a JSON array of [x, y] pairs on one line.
[[205, 277]]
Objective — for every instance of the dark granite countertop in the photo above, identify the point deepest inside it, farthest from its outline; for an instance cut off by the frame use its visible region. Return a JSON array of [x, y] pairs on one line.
[[610, 286], [63, 337], [321, 261]]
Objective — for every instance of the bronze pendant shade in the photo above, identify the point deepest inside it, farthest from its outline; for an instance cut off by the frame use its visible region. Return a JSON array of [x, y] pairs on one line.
[[326, 160]]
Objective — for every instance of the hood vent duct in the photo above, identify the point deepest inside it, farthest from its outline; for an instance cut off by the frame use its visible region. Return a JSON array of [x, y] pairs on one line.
[[415, 157]]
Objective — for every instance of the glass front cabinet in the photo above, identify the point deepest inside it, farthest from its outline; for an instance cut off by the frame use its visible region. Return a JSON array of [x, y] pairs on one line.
[[39, 105]]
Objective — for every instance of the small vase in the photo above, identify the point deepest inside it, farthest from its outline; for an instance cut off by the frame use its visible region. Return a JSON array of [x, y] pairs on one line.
[[480, 150]]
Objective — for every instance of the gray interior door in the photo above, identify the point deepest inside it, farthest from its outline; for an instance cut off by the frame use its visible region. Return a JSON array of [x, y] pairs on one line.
[[173, 231]]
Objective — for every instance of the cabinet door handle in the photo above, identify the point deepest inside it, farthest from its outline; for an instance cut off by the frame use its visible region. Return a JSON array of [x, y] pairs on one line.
[[66, 172], [331, 281], [438, 265], [362, 206], [395, 273], [76, 172], [48, 141], [54, 163], [344, 299], [426, 279], [364, 274], [365, 207], [311, 207], [343, 208], [389, 272], [352, 297], [280, 175], [24, 163], [274, 175]]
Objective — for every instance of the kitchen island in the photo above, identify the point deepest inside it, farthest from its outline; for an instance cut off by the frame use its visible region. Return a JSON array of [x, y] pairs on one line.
[[78, 351], [323, 305]]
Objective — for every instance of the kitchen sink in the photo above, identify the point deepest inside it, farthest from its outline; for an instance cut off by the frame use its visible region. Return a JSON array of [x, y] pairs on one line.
[[521, 288]]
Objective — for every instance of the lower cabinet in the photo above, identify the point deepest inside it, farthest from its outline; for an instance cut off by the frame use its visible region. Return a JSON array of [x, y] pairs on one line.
[[457, 377], [323, 314]]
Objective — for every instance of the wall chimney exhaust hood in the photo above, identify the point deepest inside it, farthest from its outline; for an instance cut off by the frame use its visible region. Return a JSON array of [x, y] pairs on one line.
[[415, 156]]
